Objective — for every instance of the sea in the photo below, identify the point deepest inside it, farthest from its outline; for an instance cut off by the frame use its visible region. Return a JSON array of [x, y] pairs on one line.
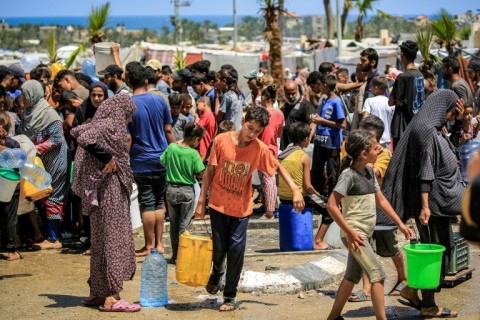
[[133, 22], [130, 22]]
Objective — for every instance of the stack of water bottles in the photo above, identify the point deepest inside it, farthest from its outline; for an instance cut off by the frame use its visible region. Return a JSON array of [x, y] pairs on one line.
[[467, 151], [17, 159], [153, 292]]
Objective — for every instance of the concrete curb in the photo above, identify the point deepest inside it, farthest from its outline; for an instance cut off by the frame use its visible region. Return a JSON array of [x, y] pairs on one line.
[[314, 275], [254, 224]]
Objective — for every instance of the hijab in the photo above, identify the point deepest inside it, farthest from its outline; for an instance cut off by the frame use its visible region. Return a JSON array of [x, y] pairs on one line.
[[87, 110], [424, 154], [40, 114], [107, 130]]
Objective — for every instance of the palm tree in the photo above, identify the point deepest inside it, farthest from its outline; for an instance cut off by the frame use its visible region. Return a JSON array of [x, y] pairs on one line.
[[347, 6], [363, 7], [272, 34], [444, 29], [330, 19], [97, 20]]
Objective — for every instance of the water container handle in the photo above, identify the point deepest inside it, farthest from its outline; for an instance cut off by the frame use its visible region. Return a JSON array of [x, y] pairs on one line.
[[206, 228], [417, 239]]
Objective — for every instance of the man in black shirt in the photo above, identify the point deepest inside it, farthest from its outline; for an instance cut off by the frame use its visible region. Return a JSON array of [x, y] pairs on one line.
[[408, 91], [295, 109]]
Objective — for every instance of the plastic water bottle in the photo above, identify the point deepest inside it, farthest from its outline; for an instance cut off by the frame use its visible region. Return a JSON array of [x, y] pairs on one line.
[[37, 176], [12, 158], [153, 292], [467, 151]]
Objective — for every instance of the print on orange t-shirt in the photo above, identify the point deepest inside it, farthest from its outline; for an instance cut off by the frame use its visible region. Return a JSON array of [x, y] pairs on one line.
[[231, 187]]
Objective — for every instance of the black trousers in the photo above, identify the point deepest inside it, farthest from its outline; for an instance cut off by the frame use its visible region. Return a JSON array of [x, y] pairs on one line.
[[331, 158], [8, 222], [229, 241]]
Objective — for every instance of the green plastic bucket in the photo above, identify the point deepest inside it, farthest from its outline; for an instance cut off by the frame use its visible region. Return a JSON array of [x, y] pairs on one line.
[[9, 178], [424, 263]]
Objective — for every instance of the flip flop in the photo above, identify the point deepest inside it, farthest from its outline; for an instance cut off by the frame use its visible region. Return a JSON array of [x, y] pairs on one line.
[[410, 303], [20, 257], [359, 296], [398, 287], [230, 303], [446, 313], [121, 306]]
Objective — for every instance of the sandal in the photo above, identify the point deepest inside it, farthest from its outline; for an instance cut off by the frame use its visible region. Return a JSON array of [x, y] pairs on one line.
[[396, 290], [359, 296], [213, 286], [230, 304], [121, 306], [15, 257], [411, 298], [444, 313]]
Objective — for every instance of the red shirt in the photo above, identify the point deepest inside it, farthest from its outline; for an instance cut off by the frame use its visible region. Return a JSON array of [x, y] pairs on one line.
[[207, 121], [269, 134]]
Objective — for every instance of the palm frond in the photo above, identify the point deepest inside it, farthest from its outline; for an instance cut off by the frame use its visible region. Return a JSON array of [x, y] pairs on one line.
[[383, 14], [365, 5], [52, 47], [97, 20], [444, 28], [179, 61], [73, 55], [424, 39]]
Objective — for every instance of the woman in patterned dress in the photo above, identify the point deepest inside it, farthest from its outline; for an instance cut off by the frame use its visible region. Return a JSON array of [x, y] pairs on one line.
[[103, 179], [44, 127]]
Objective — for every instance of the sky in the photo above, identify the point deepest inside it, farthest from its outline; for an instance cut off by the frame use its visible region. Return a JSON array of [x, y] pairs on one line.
[[39, 8]]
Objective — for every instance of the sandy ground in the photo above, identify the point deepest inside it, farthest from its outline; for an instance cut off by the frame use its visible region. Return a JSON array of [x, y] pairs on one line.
[[48, 285]]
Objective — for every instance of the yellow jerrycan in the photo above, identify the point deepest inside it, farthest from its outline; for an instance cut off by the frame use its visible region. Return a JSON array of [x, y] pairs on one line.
[[194, 259]]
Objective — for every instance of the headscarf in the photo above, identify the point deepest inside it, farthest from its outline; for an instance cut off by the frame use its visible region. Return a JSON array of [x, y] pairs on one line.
[[302, 76], [40, 114], [107, 130], [425, 154], [87, 110]]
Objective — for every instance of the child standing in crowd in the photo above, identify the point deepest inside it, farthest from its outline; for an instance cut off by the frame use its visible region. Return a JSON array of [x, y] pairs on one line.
[[183, 163], [357, 192], [470, 127], [206, 119], [269, 136], [233, 159], [378, 106], [297, 163], [187, 105], [8, 210], [327, 127], [232, 103], [179, 120]]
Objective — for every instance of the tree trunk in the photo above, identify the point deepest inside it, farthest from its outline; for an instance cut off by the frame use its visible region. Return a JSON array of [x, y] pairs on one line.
[[346, 8], [272, 34], [359, 28], [281, 18], [330, 19]]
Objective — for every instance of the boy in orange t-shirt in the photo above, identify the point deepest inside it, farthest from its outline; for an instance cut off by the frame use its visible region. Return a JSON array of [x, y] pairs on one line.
[[234, 157]]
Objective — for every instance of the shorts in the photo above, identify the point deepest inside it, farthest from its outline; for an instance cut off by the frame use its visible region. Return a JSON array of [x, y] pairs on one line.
[[151, 190], [364, 261], [386, 243]]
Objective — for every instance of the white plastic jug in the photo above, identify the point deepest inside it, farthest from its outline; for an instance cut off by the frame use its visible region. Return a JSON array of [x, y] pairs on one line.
[[135, 209], [103, 55]]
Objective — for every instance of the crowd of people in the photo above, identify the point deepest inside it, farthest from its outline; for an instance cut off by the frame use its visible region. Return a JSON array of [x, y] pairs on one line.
[[385, 149]]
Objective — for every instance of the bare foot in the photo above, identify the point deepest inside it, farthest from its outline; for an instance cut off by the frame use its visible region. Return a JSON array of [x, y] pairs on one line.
[[438, 312], [161, 249], [142, 252], [13, 256], [321, 246]]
